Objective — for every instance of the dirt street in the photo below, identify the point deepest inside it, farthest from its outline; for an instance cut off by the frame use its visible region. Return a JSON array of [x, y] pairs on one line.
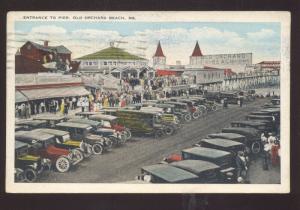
[[124, 163]]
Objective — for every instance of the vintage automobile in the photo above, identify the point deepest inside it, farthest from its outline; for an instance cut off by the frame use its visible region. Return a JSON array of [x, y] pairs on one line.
[[222, 144], [109, 121], [63, 140], [52, 120], [28, 167], [166, 118], [190, 105], [20, 128], [31, 124], [141, 122], [232, 97], [206, 171], [42, 144], [180, 107], [275, 103], [182, 115], [253, 141], [221, 158], [230, 136], [110, 136], [212, 96], [274, 112], [269, 120], [259, 125], [204, 104], [87, 114], [165, 173], [82, 132]]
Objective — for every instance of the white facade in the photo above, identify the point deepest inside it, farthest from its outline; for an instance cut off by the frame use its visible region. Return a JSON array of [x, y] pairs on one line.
[[204, 76], [109, 64], [236, 62], [159, 62]]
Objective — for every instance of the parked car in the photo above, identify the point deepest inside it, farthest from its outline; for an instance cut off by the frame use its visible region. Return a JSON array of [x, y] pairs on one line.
[[42, 144], [274, 112], [232, 97], [190, 105], [164, 173], [82, 132], [275, 103], [63, 140], [253, 141], [180, 107], [212, 96], [141, 122], [110, 136], [31, 124], [20, 128], [28, 167], [109, 121], [206, 171], [221, 158], [52, 120], [230, 136], [259, 125], [269, 120], [87, 114], [222, 144], [182, 115]]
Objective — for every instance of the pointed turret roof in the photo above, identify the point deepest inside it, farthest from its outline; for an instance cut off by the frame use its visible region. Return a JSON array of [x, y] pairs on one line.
[[197, 51], [159, 52]]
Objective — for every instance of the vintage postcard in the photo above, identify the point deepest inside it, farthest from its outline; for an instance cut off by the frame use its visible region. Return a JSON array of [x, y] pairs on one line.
[[148, 102]]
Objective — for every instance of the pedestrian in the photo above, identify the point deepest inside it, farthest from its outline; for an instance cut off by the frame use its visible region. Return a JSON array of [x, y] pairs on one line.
[[241, 101], [242, 167], [66, 108], [225, 103], [266, 160], [74, 102], [62, 106], [42, 105]]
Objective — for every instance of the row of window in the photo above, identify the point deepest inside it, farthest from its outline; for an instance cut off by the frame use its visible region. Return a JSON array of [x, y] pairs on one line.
[[216, 75], [111, 63]]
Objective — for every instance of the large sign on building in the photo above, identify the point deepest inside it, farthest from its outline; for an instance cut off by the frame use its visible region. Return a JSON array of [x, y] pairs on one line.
[[222, 59]]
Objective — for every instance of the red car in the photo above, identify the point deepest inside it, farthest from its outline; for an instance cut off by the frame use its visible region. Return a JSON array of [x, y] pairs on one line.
[[42, 144]]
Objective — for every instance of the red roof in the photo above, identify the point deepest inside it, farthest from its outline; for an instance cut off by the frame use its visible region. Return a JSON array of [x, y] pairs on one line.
[[159, 52], [164, 72], [269, 62], [197, 51]]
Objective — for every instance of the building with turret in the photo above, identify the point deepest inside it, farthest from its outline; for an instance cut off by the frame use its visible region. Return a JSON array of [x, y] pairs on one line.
[[159, 59]]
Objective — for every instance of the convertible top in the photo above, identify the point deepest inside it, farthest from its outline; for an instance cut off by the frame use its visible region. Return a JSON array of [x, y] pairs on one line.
[[195, 166], [206, 152], [225, 143]]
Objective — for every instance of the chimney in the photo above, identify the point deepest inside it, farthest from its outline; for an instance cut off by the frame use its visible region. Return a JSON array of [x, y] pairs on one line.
[[46, 43]]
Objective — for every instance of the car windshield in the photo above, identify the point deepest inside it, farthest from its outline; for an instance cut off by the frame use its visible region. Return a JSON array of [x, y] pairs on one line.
[[49, 142], [22, 152]]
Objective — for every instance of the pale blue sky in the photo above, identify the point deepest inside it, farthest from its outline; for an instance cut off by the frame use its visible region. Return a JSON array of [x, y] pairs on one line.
[[177, 38]]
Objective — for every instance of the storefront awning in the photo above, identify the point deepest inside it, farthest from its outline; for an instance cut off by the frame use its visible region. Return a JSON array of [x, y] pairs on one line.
[[55, 92], [19, 97]]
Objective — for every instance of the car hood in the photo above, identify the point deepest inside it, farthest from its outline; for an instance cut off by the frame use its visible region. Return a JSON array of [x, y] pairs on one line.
[[57, 151], [72, 143], [29, 157]]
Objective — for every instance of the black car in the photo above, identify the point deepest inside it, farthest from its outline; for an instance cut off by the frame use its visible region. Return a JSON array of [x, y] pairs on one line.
[[230, 136], [259, 125], [31, 124], [253, 141], [221, 158]]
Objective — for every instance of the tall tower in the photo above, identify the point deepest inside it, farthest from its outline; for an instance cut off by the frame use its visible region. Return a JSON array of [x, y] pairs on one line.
[[159, 59], [196, 55]]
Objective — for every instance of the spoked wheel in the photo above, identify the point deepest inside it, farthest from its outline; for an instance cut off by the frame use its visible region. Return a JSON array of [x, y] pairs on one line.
[[62, 164], [30, 175], [88, 151], [214, 107], [187, 117], [108, 143], [97, 149], [196, 115], [255, 147], [169, 130], [127, 133], [78, 154]]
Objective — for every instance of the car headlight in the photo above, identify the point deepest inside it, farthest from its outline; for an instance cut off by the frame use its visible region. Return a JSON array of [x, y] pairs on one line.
[[34, 165]]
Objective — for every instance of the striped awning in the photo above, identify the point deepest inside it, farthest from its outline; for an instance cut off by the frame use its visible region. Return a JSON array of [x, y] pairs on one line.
[[55, 92]]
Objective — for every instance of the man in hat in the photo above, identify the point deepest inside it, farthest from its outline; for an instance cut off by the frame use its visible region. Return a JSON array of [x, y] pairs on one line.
[[242, 167]]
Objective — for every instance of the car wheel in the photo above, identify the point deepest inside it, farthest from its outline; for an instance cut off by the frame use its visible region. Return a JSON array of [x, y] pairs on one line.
[[255, 147], [204, 111], [62, 164], [88, 152], [30, 175], [187, 117], [128, 133], [214, 107], [97, 149], [108, 143], [169, 130], [196, 115], [19, 175], [78, 154]]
